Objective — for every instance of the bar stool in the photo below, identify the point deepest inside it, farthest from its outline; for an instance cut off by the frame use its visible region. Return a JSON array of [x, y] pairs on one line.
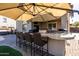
[[28, 41], [39, 43], [19, 38]]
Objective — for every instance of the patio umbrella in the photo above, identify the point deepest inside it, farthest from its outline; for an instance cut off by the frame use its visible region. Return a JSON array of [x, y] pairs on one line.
[[32, 11]]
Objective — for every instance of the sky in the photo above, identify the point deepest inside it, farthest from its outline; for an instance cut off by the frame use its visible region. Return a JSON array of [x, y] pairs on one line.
[[76, 15]]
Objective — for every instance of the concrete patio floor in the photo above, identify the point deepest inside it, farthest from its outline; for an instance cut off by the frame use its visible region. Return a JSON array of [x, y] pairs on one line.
[[10, 40]]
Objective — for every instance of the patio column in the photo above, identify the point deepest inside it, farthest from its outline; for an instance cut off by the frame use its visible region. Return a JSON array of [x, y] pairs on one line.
[[19, 26], [68, 23], [65, 22]]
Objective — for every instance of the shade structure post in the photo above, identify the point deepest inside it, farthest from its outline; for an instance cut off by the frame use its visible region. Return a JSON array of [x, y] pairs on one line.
[[68, 23]]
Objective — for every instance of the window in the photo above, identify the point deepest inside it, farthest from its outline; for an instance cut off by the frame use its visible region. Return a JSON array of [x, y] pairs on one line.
[[52, 26]]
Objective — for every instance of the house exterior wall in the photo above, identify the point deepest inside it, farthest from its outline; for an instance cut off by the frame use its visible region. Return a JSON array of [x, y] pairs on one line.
[[27, 26], [44, 25], [7, 22], [23, 27]]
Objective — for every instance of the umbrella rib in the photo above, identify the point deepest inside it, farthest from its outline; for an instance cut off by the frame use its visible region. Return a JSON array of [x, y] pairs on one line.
[[33, 10], [49, 13], [20, 15], [8, 8], [40, 15], [59, 8], [47, 8], [28, 9], [38, 12], [12, 7], [42, 10]]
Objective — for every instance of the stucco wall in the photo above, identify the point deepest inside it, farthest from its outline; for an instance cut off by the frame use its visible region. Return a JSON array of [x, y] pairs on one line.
[[72, 47], [23, 27], [27, 26], [56, 47], [43, 26], [64, 22]]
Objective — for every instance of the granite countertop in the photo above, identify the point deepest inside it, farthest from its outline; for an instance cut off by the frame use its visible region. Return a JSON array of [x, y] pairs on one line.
[[57, 36]]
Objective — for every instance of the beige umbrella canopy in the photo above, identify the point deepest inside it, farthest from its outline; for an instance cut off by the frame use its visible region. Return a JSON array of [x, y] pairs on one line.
[[30, 11]]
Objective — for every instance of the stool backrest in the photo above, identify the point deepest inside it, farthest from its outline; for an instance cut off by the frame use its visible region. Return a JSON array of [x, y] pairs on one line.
[[28, 37], [38, 39]]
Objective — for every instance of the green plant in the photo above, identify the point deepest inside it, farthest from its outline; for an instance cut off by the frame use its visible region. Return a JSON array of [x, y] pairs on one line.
[[76, 24], [8, 51]]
